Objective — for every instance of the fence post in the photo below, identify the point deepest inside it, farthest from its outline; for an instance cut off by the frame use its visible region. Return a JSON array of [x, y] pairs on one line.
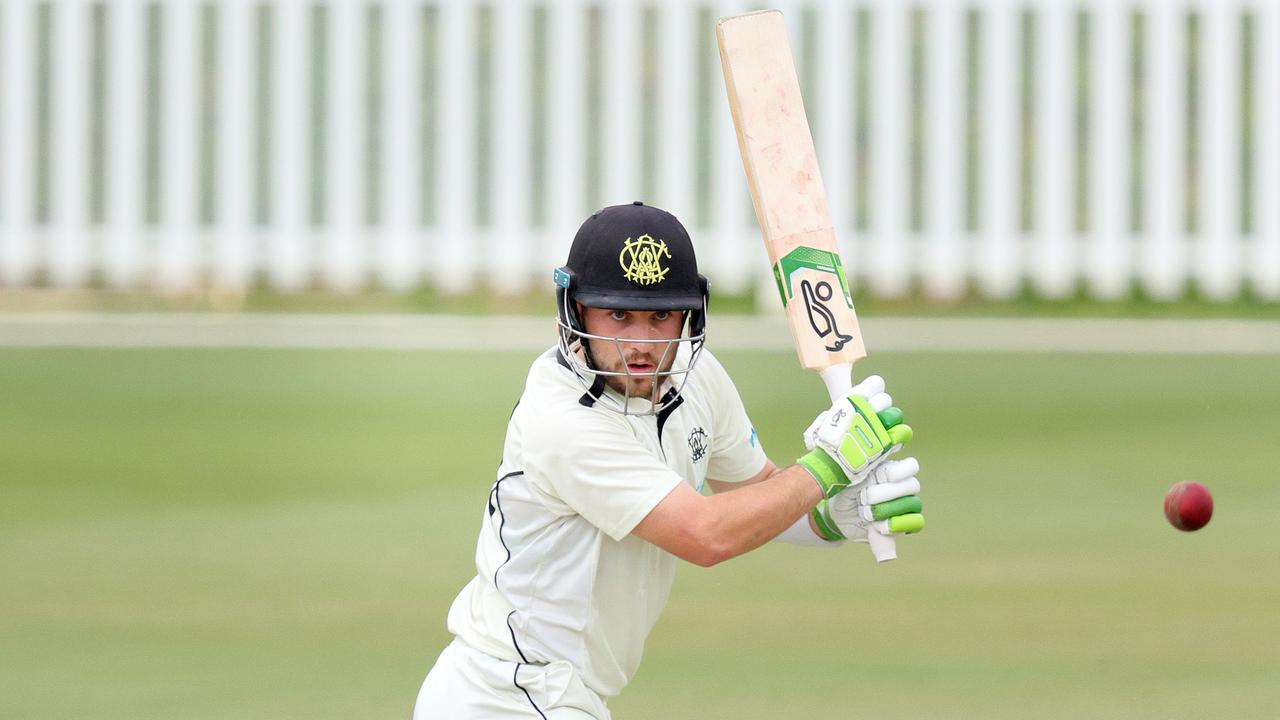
[[123, 256], [834, 135], [181, 257], [17, 93], [1264, 260], [1163, 255], [1000, 257], [889, 257], [1217, 266], [738, 247], [620, 114], [345, 256], [511, 267], [399, 260], [233, 254], [567, 109], [943, 261], [1053, 260], [1109, 259], [677, 104], [290, 252], [68, 253]]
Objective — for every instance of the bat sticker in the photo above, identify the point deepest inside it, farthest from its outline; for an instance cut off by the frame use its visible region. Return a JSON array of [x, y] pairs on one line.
[[821, 319]]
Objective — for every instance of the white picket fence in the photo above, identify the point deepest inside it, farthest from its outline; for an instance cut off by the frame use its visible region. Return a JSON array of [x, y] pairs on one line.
[[175, 144]]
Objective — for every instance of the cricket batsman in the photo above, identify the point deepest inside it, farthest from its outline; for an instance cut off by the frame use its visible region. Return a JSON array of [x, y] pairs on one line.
[[620, 429]]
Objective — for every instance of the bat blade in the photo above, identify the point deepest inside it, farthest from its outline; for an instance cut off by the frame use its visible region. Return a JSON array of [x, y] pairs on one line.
[[786, 188], [791, 205]]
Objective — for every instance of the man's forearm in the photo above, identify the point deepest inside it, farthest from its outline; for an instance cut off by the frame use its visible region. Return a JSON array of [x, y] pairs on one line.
[[748, 517], [803, 533]]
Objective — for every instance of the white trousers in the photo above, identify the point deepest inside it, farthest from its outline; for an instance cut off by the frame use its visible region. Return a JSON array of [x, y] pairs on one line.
[[466, 684]]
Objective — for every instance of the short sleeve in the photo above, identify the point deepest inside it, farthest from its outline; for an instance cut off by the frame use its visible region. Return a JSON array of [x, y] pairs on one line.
[[595, 465], [736, 452]]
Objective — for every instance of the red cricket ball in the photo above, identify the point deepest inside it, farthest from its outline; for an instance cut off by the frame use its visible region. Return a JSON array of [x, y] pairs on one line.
[[1188, 505]]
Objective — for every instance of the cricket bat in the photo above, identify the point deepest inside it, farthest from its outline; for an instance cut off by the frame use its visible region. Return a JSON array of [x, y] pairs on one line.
[[791, 204]]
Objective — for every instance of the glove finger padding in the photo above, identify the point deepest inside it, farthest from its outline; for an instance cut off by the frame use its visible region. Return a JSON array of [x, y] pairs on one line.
[[892, 471], [879, 401], [901, 525], [892, 495], [893, 508], [899, 432], [900, 435], [881, 502], [886, 492], [889, 501], [890, 416], [870, 385]]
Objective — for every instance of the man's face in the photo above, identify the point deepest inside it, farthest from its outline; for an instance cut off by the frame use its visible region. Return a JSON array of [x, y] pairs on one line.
[[654, 329]]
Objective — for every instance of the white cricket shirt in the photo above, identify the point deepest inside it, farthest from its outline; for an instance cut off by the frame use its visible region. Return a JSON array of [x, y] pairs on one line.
[[559, 576]]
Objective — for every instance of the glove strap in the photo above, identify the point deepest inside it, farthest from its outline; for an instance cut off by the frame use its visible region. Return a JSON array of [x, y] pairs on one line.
[[827, 527], [825, 471]]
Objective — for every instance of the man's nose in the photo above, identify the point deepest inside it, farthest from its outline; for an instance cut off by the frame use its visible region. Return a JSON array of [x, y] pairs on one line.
[[638, 345], [645, 331]]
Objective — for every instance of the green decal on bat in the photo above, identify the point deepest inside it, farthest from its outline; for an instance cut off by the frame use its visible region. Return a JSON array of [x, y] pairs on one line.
[[813, 259], [817, 293]]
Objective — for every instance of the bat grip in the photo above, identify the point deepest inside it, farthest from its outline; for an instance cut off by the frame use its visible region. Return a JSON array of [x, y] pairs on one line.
[[839, 381]]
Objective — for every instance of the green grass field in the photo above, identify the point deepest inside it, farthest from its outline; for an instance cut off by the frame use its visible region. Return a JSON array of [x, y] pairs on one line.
[[255, 534]]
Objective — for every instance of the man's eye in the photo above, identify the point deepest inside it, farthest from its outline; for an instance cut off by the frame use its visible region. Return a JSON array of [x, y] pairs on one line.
[[618, 315], [661, 315]]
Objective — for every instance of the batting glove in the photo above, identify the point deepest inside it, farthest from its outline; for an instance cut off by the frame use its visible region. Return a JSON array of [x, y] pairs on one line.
[[858, 432], [889, 500]]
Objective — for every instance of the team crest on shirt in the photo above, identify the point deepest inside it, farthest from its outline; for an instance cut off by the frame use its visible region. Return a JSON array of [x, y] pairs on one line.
[[697, 444]]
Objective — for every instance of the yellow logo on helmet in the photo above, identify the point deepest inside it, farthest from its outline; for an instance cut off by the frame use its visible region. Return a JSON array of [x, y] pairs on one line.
[[641, 260]]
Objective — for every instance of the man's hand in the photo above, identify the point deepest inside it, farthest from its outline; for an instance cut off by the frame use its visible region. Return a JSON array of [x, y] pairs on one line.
[[890, 499], [854, 436]]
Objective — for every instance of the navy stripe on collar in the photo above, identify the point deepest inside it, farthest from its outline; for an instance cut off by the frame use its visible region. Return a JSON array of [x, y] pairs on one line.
[[594, 392]]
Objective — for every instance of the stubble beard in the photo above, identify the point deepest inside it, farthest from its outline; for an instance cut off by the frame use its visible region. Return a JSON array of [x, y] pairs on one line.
[[636, 386]]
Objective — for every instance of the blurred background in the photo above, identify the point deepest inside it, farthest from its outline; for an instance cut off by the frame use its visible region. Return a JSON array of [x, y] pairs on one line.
[[272, 271], [1108, 150]]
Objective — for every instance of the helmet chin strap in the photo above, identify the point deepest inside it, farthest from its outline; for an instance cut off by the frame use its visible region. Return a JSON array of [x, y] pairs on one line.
[[575, 355], [587, 357], [664, 393]]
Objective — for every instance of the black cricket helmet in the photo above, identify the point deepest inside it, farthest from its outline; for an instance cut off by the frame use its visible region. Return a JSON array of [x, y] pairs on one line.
[[631, 257]]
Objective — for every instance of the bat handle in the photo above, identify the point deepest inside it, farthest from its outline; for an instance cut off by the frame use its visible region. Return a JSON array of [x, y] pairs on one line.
[[839, 381]]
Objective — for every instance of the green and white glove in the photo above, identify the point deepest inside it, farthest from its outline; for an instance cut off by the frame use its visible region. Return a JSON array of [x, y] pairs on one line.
[[889, 500], [858, 432]]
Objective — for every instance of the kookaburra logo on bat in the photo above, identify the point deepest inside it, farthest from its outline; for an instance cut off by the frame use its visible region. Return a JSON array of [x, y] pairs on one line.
[[821, 319]]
